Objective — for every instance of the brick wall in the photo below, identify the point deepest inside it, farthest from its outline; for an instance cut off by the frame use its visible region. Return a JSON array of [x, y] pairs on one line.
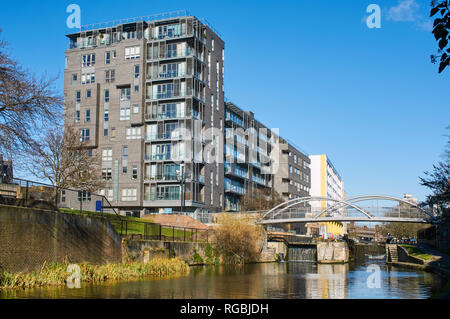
[[30, 237]]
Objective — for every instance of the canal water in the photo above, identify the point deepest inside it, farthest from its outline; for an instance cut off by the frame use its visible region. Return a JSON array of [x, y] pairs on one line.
[[269, 280]]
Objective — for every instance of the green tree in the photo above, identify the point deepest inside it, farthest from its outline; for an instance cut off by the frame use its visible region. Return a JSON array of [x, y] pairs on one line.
[[441, 27], [438, 180]]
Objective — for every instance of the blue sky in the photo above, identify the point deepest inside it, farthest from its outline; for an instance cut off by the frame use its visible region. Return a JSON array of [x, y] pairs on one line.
[[369, 98]]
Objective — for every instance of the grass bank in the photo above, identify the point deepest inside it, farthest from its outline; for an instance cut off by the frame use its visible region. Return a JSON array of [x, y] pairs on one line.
[[56, 274], [416, 252], [134, 225]]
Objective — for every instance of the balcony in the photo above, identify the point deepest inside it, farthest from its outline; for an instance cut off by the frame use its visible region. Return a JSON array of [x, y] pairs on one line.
[[173, 54], [175, 95], [158, 157], [165, 136], [166, 75], [162, 196], [163, 177], [173, 116]]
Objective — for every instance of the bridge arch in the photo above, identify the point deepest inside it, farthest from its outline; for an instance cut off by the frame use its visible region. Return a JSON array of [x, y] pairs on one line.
[[287, 212]]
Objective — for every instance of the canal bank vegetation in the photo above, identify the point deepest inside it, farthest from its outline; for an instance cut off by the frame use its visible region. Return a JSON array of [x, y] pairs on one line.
[[237, 239], [416, 252], [56, 274]]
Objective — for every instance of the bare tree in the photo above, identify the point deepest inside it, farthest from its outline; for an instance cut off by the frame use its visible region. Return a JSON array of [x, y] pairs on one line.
[[63, 159], [27, 104], [260, 200]]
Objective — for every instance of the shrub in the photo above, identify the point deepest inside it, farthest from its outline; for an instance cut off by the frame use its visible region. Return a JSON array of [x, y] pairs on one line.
[[237, 239]]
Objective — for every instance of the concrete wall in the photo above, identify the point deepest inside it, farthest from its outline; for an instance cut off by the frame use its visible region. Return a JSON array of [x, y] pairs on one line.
[[144, 250], [272, 250], [332, 252], [403, 256], [30, 237]]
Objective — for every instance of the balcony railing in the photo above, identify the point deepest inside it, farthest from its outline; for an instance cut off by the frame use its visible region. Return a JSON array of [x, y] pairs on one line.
[[164, 157], [157, 157], [174, 54], [164, 136], [176, 115], [171, 94], [163, 177], [162, 196]]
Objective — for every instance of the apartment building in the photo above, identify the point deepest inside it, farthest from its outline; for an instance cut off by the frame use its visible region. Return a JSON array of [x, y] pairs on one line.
[[147, 94], [293, 179], [256, 157], [325, 182], [247, 162], [132, 89]]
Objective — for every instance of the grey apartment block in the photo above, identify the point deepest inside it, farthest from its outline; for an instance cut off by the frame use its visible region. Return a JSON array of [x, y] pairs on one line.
[[271, 162], [128, 88], [293, 179], [247, 155], [145, 95]]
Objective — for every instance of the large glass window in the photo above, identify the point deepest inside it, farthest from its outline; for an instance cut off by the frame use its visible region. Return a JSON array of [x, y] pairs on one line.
[[125, 94]]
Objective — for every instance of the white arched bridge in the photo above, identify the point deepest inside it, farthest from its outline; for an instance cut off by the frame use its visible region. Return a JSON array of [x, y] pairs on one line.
[[368, 208]]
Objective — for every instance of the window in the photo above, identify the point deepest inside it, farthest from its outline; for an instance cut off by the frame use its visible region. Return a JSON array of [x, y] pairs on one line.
[[132, 53], [107, 57], [129, 194], [107, 174], [134, 172], [212, 44], [125, 94], [133, 133], [77, 116], [84, 134], [78, 97], [124, 113], [84, 196], [88, 115], [113, 132], [105, 132], [114, 54], [87, 78], [136, 88], [106, 116], [106, 96], [74, 78], [110, 76], [90, 152], [136, 71], [88, 60], [107, 155], [88, 93], [124, 159], [63, 196], [135, 108]]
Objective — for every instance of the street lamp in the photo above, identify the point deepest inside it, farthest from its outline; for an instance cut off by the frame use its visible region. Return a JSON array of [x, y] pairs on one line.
[[181, 178]]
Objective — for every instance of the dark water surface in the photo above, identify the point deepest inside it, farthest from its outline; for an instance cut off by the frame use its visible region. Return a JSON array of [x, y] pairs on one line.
[[272, 280]]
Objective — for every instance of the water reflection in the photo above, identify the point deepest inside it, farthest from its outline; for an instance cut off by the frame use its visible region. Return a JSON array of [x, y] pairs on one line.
[[272, 280]]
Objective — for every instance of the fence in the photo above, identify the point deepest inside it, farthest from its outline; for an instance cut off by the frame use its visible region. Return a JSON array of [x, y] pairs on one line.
[[20, 192]]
